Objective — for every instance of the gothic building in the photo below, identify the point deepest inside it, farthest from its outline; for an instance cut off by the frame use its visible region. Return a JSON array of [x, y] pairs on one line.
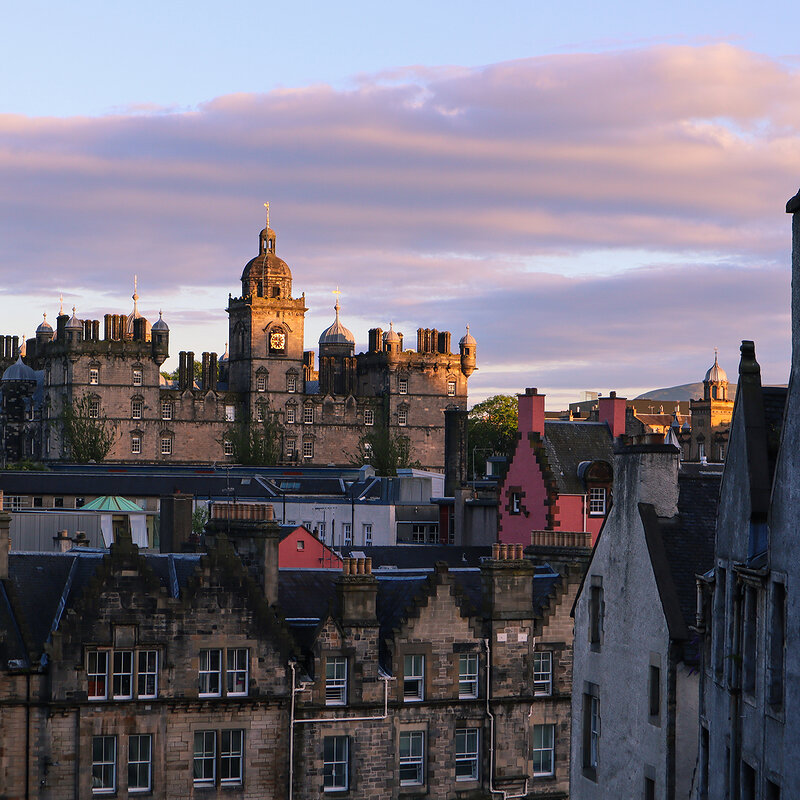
[[711, 417], [324, 412]]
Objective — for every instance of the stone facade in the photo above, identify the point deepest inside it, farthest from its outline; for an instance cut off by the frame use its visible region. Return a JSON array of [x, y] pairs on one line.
[[219, 675], [324, 412]]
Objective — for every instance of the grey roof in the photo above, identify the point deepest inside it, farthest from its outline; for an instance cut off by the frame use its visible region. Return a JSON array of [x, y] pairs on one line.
[[570, 443], [413, 556], [19, 371]]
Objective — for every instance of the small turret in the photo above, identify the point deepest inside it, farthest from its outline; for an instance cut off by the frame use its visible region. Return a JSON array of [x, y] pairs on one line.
[[74, 329], [391, 345], [468, 348], [44, 333], [159, 334]]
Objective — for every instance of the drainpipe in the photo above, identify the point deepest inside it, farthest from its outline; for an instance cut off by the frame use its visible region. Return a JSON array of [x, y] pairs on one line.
[[304, 687], [492, 790]]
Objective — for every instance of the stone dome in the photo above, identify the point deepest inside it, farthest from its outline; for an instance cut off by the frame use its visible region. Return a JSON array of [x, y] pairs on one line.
[[44, 326], [337, 333], [266, 275], [468, 339], [224, 356], [74, 324], [391, 335], [715, 373], [161, 325], [19, 371]]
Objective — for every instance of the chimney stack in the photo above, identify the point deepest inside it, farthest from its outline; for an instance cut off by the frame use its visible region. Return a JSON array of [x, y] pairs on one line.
[[611, 410], [175, 522], [530, 412], [357, 588]]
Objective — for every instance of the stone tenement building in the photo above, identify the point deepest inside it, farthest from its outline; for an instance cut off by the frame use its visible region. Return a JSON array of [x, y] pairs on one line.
[[219, 675], [324, 412]]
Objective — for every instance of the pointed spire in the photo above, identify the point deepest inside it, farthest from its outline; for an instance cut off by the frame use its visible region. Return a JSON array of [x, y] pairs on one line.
[[135, 296]]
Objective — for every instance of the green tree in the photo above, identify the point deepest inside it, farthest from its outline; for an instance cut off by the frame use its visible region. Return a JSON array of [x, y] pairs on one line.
[[88, 435], [492, 428], [173, 376], [385, 451], [256, 444]]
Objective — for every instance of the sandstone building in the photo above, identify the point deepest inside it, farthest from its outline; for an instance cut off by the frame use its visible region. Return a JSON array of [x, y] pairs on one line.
[[324, 411]]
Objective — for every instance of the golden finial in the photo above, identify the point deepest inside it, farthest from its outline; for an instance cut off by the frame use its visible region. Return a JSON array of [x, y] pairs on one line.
[[266, 205]]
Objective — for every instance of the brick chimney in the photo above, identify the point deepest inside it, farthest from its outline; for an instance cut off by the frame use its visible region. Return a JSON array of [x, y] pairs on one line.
[[611, 410], [63, 542], [530, 410], [357, 589], [507, 581], [254, 535]]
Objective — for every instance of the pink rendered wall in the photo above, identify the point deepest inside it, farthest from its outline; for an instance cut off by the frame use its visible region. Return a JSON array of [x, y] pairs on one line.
[[313, 555], [611, 409]]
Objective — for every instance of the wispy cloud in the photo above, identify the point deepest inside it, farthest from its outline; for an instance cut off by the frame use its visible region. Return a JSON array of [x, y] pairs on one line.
[[429, 194]]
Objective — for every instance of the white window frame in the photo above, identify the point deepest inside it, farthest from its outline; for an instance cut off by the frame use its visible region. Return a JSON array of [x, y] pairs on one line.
[[347, 533], [413, 743], [335, 681], [467, 753], [402, 386], [166, 445], [94, 409], [368, 534], [97, 670], [594, 732], [207, 755], [542, 672], [308, 414], [291, 414], [166, 410], [467, 675], [336, 763], [369, 416], [136, 444], [413, 678], [544, 754], [94, 376], [291, 384], [122, 674], [230, 413], [418, 532], [138, 377], [291, 446], [261, 383], [597, 501], [107, 760], [137, 409], [451, 388], [231, 757], [237, 671], [209, 673], [141, 760], [402, 417], [308, 449], [227, 447], [261, 412], [147, 674]]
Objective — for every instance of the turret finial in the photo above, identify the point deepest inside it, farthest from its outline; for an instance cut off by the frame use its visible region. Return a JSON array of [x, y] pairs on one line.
[[266, 206], [60, 304]]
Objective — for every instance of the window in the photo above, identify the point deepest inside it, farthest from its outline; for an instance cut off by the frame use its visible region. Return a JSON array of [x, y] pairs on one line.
[[412, 758], [210, 673], [308, 449], [750, 639], [722, 452], [719, 622], [147, 673], [291, 384], [597, 502], [14, 502], [649, 789], [413, 678], [335, 755], [403, 387], [230, 413], [231, 757], [542, 672], [369, 416], [402, 417], [591, 730], [227, 447], [335, 681], [543, 745], [749, 782], [166, 410], [301, 545], [655, 694], [97, 674], [418, 534], [347, 531], [136, 444], [596, 612], [136, 409], [205, 758], [451, 388], [467, 675], [94, 409], [58, 502], [291, 414], [260, 412], [140, 762], [701, 451], [237, 671], [104, 764], [166, 446], [137, 377], [94, 376], [122, 676], [321, 531], [37, 502], [777, 645], [515, 506], [291, 446], [467, 744], [261, 383], [367, 534], [308, 414]]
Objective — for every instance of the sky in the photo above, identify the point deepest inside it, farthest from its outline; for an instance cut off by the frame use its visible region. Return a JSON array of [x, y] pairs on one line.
[[598, 191]]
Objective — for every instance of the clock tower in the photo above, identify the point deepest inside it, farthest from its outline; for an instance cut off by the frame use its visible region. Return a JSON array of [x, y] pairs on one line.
[[266, 331]]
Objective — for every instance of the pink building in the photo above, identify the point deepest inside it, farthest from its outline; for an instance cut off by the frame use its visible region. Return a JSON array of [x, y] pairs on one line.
[[560, 475], [300, 549]]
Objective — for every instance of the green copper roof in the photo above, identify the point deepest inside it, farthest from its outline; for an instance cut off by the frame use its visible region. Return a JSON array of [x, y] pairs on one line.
[[112, 504]]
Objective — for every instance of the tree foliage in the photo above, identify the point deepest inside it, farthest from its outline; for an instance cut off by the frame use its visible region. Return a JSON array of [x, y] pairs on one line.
[[256, 444], [492, 428], [385, 451], [86, 437]]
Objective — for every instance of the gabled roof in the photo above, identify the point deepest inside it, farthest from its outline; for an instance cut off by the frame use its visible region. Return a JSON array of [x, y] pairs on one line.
[[570, 443]]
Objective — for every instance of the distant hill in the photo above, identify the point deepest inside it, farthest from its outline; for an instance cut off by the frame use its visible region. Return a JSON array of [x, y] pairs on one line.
[[686, 391]]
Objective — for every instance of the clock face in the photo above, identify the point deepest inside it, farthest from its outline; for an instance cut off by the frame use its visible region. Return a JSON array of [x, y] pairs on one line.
[[277, 341]]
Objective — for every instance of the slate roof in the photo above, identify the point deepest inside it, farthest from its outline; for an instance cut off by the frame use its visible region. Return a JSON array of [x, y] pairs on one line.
[[415, 556], [569, 443]]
